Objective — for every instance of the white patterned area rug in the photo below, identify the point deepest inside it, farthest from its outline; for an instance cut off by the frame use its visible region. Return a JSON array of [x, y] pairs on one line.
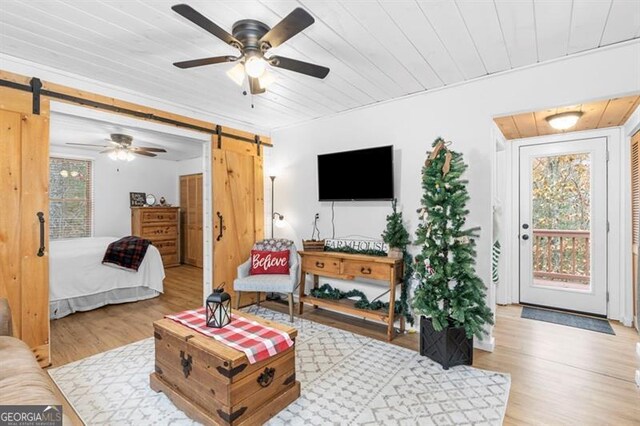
[[346, 379]]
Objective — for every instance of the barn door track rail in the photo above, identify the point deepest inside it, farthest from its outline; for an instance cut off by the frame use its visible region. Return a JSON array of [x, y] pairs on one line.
[[35, 87]]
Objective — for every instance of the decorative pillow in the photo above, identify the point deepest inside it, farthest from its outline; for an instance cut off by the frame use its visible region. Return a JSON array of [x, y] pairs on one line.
[[273, 244], [269, 262]]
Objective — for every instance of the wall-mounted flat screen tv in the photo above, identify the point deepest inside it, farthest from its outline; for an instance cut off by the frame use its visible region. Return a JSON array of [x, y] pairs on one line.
[[362, 175]]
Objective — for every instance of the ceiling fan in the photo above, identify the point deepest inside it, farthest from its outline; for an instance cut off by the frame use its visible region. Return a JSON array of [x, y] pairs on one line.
[[254, 39], [121, 148]]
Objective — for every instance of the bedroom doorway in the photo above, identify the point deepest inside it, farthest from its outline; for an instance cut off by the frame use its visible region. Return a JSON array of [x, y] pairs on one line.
[[563, 225], [112, 177]]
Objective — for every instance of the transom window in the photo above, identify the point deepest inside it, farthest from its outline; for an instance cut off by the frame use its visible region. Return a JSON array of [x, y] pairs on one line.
[[70, 198]]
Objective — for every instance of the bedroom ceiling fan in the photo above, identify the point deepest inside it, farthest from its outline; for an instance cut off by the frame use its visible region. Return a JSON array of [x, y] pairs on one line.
[[254, 39], [121, 148]]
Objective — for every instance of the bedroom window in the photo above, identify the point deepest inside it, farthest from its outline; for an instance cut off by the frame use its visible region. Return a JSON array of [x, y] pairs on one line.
[[70, 198]]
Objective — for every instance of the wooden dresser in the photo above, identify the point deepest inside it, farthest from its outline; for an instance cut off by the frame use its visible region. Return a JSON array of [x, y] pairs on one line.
[[161, 225]]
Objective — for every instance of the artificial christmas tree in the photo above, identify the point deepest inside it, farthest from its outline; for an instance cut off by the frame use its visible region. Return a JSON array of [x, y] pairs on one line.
[[396, 235], [449, 295]]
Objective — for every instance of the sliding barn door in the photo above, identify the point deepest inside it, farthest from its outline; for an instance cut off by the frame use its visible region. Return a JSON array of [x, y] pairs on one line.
[[238, 209], [24, 216]]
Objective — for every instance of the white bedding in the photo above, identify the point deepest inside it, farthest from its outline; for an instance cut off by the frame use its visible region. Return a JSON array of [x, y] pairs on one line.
[[76, 269]]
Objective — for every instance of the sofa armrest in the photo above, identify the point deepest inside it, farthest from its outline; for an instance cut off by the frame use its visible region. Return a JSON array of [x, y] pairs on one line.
[[6, 327], [243, 270]]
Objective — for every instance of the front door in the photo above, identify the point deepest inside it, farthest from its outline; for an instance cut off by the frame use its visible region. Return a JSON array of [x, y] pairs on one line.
[[563, 225]]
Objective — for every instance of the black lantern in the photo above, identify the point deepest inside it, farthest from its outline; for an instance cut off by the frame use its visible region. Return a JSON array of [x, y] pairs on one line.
[[218, 308]]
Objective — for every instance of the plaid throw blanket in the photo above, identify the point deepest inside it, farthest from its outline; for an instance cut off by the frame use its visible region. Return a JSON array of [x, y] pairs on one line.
[[257, 341], [126, 253]]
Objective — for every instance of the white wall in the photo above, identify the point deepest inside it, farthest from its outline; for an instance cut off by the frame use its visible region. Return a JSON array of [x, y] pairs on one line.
[[114, 180], [462, 114]]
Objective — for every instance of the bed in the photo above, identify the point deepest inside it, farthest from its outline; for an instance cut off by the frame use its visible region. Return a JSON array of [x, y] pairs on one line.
[[78, 281]]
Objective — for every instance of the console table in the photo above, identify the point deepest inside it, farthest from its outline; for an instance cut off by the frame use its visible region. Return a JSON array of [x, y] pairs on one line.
[[349, 267]]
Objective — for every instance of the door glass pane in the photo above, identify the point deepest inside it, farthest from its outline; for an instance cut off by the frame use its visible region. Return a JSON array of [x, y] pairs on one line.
[[561, 221]]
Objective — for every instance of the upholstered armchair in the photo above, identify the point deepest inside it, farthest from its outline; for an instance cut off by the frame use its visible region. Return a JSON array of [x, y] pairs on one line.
[[272, 283]]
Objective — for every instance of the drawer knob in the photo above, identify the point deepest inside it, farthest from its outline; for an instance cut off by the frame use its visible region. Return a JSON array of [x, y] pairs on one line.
[[266, 377], [365, 270], [320, 264]]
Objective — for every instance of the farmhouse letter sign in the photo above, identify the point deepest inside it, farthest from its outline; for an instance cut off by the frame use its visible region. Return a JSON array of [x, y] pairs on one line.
[[357, 244]]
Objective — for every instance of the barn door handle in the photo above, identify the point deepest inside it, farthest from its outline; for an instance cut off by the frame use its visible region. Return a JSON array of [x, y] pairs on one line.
[[41, 220], [222, 227], [266, 377]]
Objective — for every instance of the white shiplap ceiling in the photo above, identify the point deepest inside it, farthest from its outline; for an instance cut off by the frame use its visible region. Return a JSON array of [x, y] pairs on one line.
[[66, 128], [377, 50]]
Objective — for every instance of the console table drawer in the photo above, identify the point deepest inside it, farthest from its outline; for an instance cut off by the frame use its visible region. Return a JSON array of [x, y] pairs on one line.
[[313, 264], [370, 270]]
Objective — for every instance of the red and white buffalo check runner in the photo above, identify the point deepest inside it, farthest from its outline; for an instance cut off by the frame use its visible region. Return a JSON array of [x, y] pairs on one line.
[[257, 341]]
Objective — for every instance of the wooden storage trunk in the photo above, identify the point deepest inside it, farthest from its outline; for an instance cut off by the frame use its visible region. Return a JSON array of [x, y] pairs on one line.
[[215, 384]]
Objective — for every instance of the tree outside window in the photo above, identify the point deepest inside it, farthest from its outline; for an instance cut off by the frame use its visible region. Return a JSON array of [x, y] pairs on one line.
[[70, 198]]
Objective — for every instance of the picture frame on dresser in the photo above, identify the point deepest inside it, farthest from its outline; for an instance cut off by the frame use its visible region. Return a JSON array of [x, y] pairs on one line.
[[137, 199]]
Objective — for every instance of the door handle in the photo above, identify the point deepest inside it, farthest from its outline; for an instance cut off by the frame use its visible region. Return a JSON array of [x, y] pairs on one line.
[[222, 227], [41, 220], [525, 237]]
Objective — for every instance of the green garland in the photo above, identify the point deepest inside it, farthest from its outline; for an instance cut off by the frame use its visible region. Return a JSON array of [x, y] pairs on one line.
[[351, 250], [328, 292]]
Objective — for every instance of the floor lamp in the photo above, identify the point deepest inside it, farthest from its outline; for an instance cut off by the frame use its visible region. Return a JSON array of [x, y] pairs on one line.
[[273, 296]]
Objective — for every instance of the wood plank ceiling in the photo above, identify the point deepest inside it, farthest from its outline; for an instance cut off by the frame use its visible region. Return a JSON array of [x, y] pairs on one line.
[[596, 115], [377, 50]]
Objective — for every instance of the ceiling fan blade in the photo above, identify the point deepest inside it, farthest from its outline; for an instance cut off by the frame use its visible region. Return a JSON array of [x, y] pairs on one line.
[[254, 86], [292, 24], [146, 154], [112, 142], [87, 144], [108, 150], [148, 149], [204, 61], [299, 66], [205, 23]]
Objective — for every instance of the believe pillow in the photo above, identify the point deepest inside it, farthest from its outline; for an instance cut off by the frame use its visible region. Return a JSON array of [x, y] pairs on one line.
[[269, 262]]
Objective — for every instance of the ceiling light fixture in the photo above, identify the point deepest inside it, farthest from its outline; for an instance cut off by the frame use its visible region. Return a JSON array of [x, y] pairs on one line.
[[564, 120], [255, 66], [237, 74]]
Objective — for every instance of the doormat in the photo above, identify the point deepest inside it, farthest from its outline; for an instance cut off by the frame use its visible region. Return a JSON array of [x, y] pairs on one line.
[[570, 320], [347, 379]]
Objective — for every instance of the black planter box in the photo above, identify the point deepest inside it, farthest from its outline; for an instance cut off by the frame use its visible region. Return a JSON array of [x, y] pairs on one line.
[[449, 347]]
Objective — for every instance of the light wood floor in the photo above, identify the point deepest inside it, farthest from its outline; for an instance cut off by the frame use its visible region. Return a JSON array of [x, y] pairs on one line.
[[560, 375]]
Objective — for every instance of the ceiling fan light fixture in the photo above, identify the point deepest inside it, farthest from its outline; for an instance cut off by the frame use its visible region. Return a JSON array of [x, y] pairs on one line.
[[255, 66], [266, 80], [113, 155], [122, 154], [130, 156], [564, 120], [237, 74]]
